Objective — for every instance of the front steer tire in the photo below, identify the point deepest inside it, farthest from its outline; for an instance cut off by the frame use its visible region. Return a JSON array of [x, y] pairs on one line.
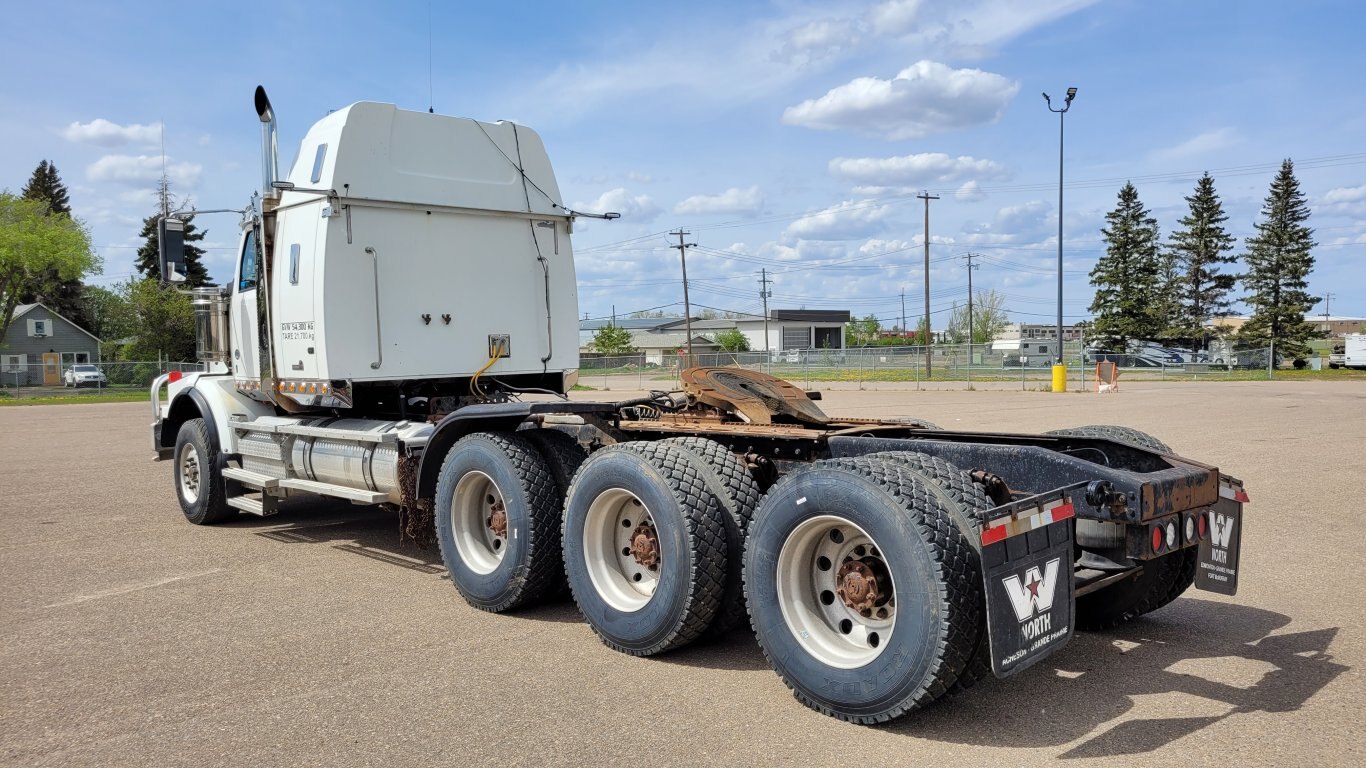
[[498, 564], [199, 476], [644, 548], [832, 664]]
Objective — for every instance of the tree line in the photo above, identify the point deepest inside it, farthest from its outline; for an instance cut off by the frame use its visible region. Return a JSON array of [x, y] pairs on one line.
[[46, 256], [1147, 290]]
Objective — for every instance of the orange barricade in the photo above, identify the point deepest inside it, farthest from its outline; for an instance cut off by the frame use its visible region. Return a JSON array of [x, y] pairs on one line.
[[1107, 377]]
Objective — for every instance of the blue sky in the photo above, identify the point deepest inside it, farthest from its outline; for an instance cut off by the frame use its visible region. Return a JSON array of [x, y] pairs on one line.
[[790, 136]]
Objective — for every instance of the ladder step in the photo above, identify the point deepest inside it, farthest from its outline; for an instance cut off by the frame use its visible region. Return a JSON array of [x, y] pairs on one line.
[[253, 479], [264, 506], [340, 491]]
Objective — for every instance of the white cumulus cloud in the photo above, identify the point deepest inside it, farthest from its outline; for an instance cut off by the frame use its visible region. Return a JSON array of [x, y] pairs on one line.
[[926, 97], [913, 170], [847, 220], [620, 200], [140, 169], [104, 133], [734, 201]]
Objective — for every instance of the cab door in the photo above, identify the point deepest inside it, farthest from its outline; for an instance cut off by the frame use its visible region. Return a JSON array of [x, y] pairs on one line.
[[246, 342]]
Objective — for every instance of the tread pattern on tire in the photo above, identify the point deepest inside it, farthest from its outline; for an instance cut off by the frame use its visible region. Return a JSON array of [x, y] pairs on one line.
[[960, 600], [706, 536], [738, 494], [973, 503], [211, 489], [1125, 434], [563, 455], [543, 566]]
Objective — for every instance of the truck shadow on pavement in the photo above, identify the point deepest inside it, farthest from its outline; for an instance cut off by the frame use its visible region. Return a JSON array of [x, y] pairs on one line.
[[1210, 661], [373, 534]]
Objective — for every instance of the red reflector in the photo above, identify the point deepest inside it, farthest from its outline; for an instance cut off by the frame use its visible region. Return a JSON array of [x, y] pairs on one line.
[[993, 535], [1158, 537], [1064, 511], [1203, 525], [173, 376], [1240, 496]]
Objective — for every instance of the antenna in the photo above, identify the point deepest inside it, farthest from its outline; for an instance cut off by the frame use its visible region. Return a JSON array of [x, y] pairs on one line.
[[431, 101]]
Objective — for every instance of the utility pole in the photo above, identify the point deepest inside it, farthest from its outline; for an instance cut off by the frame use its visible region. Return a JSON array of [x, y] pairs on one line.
[[927, 197], [903, 314], [687, 308], [765, 294], [1327, 297], [971, 267]]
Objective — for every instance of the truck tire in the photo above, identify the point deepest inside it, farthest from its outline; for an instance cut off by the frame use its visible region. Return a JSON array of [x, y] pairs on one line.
[[497, 523], [737, 494], [1125, 434], [1156, 583], [967, 502], [199, 476], [644, 548], [562, 455], [824, 546]]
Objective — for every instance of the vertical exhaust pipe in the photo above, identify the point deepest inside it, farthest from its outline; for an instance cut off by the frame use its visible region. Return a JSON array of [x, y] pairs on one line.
[[270, 167]]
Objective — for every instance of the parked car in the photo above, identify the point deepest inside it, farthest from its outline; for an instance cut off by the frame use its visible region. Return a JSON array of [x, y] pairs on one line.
[[85, 376]]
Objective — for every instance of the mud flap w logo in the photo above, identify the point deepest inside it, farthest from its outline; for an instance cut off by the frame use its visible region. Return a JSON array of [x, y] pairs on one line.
[[1028, 582], [1217, 568]]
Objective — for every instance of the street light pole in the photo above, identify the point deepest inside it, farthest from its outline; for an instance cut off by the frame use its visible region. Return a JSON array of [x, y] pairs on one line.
[[1067, 104]]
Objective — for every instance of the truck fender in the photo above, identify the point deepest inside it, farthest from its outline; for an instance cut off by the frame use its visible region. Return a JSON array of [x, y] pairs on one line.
[[189, 404], [482, 417]]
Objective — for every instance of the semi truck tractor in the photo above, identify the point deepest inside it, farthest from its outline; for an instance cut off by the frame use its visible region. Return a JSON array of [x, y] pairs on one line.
[[400, 332]]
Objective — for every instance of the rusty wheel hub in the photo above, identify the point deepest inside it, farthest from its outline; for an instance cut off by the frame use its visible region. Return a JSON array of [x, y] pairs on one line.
[[858, 587], [645, 545], [498, 519]]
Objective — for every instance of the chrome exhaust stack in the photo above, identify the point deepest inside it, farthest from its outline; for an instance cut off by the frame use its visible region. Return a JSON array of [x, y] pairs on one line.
[[270, 165]]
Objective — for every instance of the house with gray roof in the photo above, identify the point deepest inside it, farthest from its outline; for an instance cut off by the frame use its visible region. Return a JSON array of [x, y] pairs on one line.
[[40, 345]]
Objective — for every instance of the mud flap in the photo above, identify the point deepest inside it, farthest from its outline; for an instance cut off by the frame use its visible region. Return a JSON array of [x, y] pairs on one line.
[[1217, 568], [1027, 571]]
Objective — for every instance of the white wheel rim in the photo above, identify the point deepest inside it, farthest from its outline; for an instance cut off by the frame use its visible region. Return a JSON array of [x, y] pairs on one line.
[[611, 528], [189, 472], [475, 508], [809, 585]]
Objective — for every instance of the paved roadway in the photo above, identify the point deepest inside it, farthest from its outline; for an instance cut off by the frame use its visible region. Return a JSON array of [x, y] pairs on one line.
[[128, 637]]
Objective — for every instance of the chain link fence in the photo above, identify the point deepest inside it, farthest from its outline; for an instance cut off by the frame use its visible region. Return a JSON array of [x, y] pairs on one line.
[[53, 379], [940, 366]]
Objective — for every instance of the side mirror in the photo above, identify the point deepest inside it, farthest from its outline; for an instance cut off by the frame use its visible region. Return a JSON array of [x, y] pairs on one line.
[[171, 249]]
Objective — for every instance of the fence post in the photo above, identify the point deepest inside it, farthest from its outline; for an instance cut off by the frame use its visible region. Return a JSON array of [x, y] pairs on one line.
[[1271, 361]]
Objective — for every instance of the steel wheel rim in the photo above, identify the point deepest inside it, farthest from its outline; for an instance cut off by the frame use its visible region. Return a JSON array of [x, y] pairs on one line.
[[475, 505], [613, 521], [189, 472], [809, 582]]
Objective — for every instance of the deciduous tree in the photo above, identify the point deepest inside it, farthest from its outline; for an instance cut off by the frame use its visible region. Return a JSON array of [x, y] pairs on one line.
[[33, 244]]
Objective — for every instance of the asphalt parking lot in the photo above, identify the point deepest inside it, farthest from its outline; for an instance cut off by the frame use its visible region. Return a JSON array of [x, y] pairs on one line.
[[129, 637]]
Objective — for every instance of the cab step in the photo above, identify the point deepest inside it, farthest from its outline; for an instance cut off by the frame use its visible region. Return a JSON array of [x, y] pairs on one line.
[[355, 495], [252, 479], [262, 504]]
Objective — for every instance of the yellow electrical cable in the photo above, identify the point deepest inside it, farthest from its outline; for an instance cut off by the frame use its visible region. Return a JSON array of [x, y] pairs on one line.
[[474, 382]]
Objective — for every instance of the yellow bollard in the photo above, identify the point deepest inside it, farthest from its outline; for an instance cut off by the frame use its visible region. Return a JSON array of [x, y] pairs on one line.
[[1059, 378]]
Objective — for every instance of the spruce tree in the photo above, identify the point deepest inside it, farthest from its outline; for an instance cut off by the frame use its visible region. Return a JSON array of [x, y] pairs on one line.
[[148, 259], [1201, 245], [1279, 261], [1126, 277], [46, 185], [65, 297]]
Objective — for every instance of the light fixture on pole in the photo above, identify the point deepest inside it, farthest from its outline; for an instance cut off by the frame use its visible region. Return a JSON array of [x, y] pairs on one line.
[[1060, 375]]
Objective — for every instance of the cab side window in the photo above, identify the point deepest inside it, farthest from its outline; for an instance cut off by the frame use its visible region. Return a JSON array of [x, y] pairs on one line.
[[247, 278]]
